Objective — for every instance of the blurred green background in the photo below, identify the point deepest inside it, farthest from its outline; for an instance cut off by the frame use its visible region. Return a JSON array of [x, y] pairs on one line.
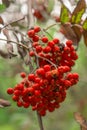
[[14, 118]]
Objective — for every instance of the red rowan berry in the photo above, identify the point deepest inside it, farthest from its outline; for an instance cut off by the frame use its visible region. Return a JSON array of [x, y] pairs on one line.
[[35, 44], [23, 74], [10, 91], [15, 98], [40, 71], [38, 48], [31, 77], [31, 53], [75, 76], [44, 39], [19, 104], [37, 29], [26, 104], [47, 68], [56, 40], [51, 44], [35, 38], [31, 33], [69, 43], [47, 49]]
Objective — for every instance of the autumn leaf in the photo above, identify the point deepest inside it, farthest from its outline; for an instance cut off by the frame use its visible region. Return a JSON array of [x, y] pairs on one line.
[[78, 32], [81, 120], [85, 31], [6, 2], [4, 103], [78, 12], [1, 20], [69, 32], [85, 24]]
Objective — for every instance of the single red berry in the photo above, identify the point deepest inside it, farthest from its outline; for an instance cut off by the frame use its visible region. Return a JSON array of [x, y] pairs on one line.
[[19, 87], [37, 80], [37, 29], [15, 98], [69, 43], [67, 83], [37, 93], [51, 44], [10, 91], [47, 49], [56, 40], [31, 53], [47, 68], [44, 39], [19, 104], [26, 104], [66, 49], [17, 92], [38, 48], [40, 71], [35, 38], [75, 76], [31, 33], [30, 90], [35, 44], [23, 74], [31, 77], [42, 112]]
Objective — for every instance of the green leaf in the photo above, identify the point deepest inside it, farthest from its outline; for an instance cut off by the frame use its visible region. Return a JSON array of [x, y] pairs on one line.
[[78, 12], [85, 24], [64, 16], [77, 18], [2, 8]]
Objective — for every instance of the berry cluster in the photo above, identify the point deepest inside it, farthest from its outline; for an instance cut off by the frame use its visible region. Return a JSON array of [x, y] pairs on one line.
[[46, 88]]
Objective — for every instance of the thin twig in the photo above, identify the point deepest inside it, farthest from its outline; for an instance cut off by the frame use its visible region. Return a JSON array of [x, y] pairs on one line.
[[15, 43], [12, 22], [40, 121], [47, 33], [46, 60], [50, 26]]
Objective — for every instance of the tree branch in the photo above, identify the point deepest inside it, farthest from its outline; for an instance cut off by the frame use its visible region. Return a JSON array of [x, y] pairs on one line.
[[30, 15]]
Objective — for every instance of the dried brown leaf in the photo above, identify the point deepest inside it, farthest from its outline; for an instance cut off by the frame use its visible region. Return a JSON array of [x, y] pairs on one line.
[[69, 32], [4, 54], [22, 51], [6, 33], [78, 11], [4, 103], [6, 2], [85, 37], [1, 20], [78, 31], [81, 120]]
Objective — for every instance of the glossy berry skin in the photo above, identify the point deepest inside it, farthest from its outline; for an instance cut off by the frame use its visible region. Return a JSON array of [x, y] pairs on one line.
[[10, 91], [44, 39], [31, 33], [37, 29], [23, 74]]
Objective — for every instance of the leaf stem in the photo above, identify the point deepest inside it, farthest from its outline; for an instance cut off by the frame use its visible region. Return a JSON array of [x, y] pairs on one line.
[[50, 26]]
